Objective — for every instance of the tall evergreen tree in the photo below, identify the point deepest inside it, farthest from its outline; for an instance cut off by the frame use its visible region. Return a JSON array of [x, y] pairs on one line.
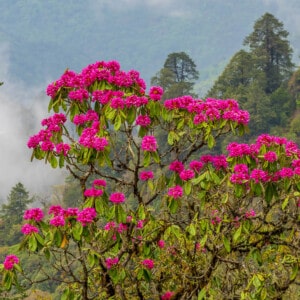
[[178, 75], [272, 52], [11, 214]]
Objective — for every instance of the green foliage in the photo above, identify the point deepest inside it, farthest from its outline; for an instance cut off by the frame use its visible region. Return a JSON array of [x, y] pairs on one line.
[[11, 214], [178, 76], [271, 50], [258, 78], [194, 232]]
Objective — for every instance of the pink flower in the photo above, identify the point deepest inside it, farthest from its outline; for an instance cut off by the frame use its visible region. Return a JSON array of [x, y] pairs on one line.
[[92, 192], [149, 143], [240, 168], [148, 263], [122, 227], [57, 221], [34, 214], [259, 175], [239, 178], [117, 198], [143, 121], [117, 103], [167, 295], [186, 175], [196, 165], [99, 182], [86, 216], [156, 93], [110, 225], [62, 148], [70, 212], [56, 210], [10, 261], [220, 162], [111, 262], [175, 192], [161, 244], [146, 175], [176, 166], [79, 95], [286, 173], [270, 156], [140, 224], [250, 214], [28, 229]]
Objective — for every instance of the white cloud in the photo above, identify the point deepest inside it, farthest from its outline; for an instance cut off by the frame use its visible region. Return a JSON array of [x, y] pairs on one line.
[[21, 109], [174, 8]]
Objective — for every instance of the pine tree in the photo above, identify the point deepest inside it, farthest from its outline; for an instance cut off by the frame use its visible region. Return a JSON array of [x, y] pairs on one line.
[[178, 76], [272, 52], [11, 214]]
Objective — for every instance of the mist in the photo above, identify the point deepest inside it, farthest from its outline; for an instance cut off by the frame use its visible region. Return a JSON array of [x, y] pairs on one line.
[[22, 109]]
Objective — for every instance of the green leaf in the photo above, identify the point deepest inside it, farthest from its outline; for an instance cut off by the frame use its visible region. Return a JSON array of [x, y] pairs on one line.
[[171, 138], [187, 187], [210, 141], [237, 234], [118, 122], [173, 205], [141, 212], [120, 214], [202, 294], [130, 117], [285, 203], [226, 243], [147, 159], [269, 193], [53, 161], [32, 243], [294, 272], [77, 231], [147, 275], [203, 241], [191, 229], [155, 157], [7, 280]]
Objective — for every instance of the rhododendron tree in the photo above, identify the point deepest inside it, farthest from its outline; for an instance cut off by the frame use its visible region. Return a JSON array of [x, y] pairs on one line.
[[161, 219]]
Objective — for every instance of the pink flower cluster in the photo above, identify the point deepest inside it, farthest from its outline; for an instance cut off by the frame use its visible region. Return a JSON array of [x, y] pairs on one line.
[[85, 216], [146, 175], [10, 261], [186, 175], [143, 120], [44, 138], [92, 192], [28, 229], [250, 214], [111, 262], [117, 198], [209, 110], [149, 143], [148, 263], [99, 182], [175, 192], [240, 174], [99, 71], [266, 149], [156, 93], [35, 214], [167, 295], [89, 116]]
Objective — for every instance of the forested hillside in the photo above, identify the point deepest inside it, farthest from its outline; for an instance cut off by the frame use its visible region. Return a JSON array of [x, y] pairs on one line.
[[45, 37]]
